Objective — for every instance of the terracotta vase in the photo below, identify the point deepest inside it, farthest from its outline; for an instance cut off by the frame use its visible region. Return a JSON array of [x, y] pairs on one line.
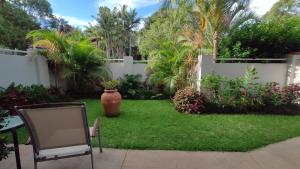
[[111, 102]]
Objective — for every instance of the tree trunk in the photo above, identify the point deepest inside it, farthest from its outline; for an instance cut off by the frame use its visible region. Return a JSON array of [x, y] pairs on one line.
[[215, 46]]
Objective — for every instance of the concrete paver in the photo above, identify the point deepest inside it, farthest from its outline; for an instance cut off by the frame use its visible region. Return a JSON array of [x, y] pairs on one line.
[[284, 155]]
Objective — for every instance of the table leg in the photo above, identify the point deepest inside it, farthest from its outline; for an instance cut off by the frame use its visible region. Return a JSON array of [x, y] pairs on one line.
[[16, 147]]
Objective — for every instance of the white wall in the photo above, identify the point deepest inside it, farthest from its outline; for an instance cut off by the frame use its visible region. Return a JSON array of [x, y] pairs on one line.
[[26, 70], [267, 72], [127, 66]]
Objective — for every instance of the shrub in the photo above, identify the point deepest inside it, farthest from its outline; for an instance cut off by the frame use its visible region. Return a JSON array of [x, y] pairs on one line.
[[131, 86], [237, 95], [22, 95], [4, 150], [188, 100], [266, 39]]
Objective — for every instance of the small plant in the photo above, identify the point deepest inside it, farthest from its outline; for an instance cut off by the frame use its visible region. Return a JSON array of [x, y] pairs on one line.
[[111, 85], [188, 100]]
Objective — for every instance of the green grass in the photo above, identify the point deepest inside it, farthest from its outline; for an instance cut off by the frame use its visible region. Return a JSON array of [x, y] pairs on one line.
[[157, 125]]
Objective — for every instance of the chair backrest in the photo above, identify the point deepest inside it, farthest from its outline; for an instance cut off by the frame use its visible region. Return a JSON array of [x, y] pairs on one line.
[[56, 125]]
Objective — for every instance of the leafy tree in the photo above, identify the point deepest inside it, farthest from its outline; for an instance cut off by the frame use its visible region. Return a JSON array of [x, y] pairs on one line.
[[160, 27], [283, 8], [14, 25], [271, 39]]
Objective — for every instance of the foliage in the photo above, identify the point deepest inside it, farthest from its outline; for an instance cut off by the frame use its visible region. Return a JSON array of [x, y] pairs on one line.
[[73, 56], [22, 95], [111, 85], [131, 86], [163, 26], [283, 8], [188, 100], [215, 18], [4, 150], [237, 95], [271, 39], [172, 66], [14, 24], [116, 28], [240, 95], [275, 95]]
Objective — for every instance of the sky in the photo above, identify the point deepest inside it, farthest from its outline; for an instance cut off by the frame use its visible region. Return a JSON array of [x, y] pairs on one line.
[[80, 13]]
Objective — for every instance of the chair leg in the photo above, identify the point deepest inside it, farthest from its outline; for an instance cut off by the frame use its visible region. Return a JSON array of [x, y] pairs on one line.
[[99, 135], [35, 164], [92, 159]]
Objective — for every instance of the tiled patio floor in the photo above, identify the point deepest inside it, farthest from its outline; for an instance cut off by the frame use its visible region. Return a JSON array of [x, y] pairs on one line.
[[284, 155]]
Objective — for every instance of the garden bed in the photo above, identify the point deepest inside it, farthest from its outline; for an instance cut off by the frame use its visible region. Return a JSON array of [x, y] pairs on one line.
[[155, 124]]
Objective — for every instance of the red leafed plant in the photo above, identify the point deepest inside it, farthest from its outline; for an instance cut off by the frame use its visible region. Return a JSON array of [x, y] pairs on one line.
[[188, 100], [291, 94], [12, 97]]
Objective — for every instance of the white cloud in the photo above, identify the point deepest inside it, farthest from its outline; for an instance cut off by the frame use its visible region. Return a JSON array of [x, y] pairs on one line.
[[262, 6], [130, 3], [77, 22]]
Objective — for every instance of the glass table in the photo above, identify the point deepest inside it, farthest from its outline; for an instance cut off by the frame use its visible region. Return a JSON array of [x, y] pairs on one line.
[[11, 124]]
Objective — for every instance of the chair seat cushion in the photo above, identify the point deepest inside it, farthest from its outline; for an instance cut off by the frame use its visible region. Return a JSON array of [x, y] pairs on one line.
[[65, 151]]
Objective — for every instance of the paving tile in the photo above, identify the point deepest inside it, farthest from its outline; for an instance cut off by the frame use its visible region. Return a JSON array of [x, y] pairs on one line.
[[284, 155]]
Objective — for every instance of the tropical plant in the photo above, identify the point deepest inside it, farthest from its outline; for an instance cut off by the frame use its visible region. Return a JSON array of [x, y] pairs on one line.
[[117, 28], [163, 25], [131, 86], [238, 94], [172, 66], [73, 56], [216, 17], [111, 85]]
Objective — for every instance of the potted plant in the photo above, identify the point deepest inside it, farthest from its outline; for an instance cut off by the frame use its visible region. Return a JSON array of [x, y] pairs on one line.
[[111, 99]]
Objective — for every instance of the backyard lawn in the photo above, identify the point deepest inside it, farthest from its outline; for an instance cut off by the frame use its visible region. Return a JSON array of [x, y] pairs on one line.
[[145, 124]]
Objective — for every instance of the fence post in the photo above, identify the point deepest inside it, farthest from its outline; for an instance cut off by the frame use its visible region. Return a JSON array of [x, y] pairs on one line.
[[292, 74], [199, 72]]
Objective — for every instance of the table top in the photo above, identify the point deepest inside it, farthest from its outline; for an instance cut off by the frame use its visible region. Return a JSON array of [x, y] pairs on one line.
[[11, 122]]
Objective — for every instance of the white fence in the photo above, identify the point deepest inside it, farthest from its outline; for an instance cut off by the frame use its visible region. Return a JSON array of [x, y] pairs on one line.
[[22, 68], [282, 73]]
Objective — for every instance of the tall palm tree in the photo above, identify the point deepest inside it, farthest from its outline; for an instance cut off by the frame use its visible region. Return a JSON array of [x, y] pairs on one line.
[[215, 17], [218, 16]]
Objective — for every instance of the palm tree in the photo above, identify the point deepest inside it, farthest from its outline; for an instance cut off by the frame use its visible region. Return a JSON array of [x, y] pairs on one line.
[[73, 56], [57, 48], [218, 16], [215, 17], [171, 66]]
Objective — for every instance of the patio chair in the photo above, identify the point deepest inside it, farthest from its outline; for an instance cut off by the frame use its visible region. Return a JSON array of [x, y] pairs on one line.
[[95, 131], [57, 130]]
